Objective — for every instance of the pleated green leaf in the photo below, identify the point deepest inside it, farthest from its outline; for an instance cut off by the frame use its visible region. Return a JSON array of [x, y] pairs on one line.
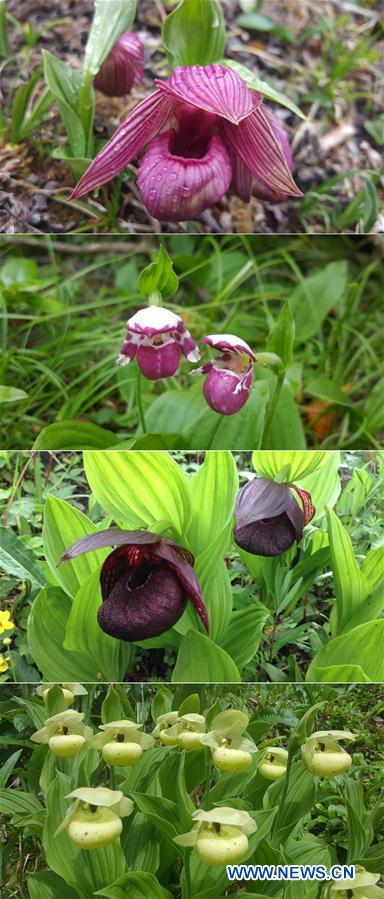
[[200, 660], [63, 525], [354, 657]]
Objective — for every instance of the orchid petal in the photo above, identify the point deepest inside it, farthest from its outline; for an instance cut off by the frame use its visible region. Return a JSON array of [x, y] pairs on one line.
[[143, 123], [241, 177], [214, 88], [228, 342], [182, 567], [308, 507], [176, 189], [110, 537], [258, 146], [267, 501]]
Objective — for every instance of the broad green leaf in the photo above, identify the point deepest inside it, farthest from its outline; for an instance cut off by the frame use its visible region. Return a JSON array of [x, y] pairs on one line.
[[281, 337], [351, 587], [370, 609], [75, 100], [110, 19], [216, 590], [256, 84], [46, 632], [194, 33], [136, 885], [212, 491], [17, 559], [315, 296], [200, 660], [187, 412], [107, 657], [360, 830], [158, 276], [373, 565], [328, 391], [161, 812], [74, 435], [139, 488], [141, 845], [355, 493], [63, 525], [242, 637], [324, 484], [8, 766], [287, 431], [308, 850], [11, 394], [354, 657], [20, 806], [47, 885], [288, 465], [299, 800]]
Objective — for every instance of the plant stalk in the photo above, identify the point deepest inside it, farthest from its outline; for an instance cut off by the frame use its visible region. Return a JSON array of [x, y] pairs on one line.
[[187, 872], [284, 792], [139, 400], [271, 409]]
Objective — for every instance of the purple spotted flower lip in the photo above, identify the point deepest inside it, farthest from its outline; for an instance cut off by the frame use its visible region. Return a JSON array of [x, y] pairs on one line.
[[268, 518], [203, 130], [123, 68], [230, 375], [146, 583], [156, 336]]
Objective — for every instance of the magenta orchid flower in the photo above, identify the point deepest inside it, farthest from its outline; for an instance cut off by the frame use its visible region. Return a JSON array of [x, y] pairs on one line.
[[123, 68], [156, 336], [146, 583], [230, 375], [205, 130], [268, 518]]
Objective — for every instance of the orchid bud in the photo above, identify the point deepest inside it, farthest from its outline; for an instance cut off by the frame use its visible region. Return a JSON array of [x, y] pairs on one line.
[[229, 376], [157, 337], [322, 754], [220, 836], [64, 733], [121, 742], [123, 68], [145, 583], [268, 518], [274, 763], [164, 729], [190, 728], [94, 819], [363, 886], [231, 751]]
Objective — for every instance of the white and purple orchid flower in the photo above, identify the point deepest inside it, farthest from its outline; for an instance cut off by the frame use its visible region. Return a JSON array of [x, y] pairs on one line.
[[156, 336], [123, 68], [204, 130], [268, 518], [146, 583], [230, 375]]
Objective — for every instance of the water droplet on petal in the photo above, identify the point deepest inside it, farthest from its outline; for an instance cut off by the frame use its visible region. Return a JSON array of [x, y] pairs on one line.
[[185, 191], [152, 194]]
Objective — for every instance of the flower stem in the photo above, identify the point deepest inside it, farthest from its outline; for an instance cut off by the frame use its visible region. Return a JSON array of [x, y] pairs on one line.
[[284, 792], [139, 401], [271, 409], [112, 775], [187, 872]]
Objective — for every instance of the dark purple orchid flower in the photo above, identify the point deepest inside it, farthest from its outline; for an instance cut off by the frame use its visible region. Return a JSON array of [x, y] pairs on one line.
[[205, 130], [268, 518], [146, 583], [157, 337], [229, 376], [123, 68]]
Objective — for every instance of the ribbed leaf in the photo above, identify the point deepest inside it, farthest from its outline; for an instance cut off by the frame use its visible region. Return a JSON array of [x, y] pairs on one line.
[[63, 524], [351, 587], [200, 660], [111, 18], [354, 657]]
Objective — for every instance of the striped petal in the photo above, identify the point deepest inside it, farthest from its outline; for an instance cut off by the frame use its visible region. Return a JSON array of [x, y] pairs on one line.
[[144, 123], [214, 88], [258, 146]]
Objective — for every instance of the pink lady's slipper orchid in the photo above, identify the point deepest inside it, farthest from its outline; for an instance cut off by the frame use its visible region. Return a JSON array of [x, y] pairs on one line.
[[205, 130], [229, 376], [157, 337], [123, 68], [268, 518], [146, 583]]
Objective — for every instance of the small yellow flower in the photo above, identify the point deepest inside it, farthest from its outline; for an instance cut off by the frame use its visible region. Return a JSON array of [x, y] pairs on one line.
[[7, 641], [3, 664], [5, 622]]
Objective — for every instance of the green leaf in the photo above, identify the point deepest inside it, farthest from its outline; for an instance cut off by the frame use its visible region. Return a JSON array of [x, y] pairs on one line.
[[140, 488], [11, 394], [194, 33], [315, 296], [354, 657], [287, 431], [299, 799], [63, 525], [46, 633], [255, 84], [136, 885], [373, 565], [17, 559], [212, 490], [47, 885], [281, 337], [110, 21], [287, 466], [351, 587], [242, 637], [163, 813], [158, 276], [106, 657], [324, 484], [329, 391], [74, 435], [20, 806], [187, 412], [75, 100], [8, 766], [157, 442], [200, 660]]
